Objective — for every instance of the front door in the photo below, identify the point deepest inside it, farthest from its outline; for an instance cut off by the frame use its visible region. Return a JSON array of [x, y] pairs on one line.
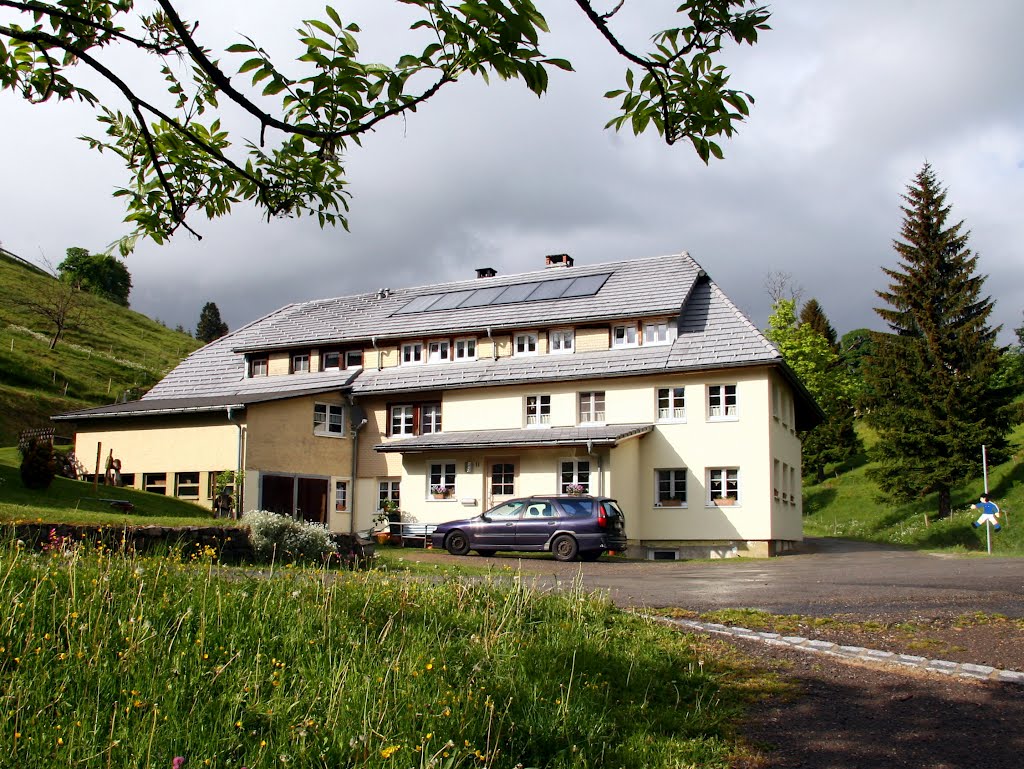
[[312, 500], [501, 481]]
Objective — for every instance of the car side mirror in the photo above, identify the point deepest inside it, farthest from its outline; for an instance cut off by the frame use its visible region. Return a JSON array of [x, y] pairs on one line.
[[483, 517]]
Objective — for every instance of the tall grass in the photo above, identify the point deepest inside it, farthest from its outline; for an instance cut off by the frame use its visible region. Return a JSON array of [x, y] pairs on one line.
[[119, 661]]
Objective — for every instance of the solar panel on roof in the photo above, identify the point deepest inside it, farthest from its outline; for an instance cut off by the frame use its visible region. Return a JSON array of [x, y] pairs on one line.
[[558, 288], [483, 296], [450, 301], [550, 289], [518, 293], [587, 286], [420, 303]]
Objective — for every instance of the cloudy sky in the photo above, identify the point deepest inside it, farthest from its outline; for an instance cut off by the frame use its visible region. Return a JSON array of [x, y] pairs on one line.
[[852, 97]]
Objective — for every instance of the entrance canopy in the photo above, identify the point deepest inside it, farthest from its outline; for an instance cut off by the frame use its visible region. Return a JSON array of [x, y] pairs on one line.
[[603, 435]]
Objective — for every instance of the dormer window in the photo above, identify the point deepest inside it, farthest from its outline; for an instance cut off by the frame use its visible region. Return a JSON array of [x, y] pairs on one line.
[[354, 359], [465, 349], [300, 363], [259, 366], [624, 336], [661, 332], [526, 344], [412, 353], [439, 351], [561, 341], [330, 360]]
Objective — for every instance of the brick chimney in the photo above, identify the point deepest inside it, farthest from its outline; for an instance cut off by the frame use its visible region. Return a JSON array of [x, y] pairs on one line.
[[486, 272], [558, 260]]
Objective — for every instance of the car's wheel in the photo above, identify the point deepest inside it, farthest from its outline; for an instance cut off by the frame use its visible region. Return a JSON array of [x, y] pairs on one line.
[[591, 555], [486, 553], [565, 548], [457, 543]]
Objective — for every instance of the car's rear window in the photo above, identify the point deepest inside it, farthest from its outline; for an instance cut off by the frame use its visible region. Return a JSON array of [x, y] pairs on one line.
[[578, 508], [612, 508]]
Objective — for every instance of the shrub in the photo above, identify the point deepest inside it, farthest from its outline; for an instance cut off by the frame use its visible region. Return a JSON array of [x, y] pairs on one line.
[[38, 465], [276, 537]]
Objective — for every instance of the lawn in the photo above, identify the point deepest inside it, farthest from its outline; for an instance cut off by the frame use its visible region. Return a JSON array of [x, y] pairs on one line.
[[848, 504], [71, 501], [121, 661]]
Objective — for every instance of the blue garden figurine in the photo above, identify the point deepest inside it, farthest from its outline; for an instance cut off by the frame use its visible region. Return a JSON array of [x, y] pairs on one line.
[[989, 513]]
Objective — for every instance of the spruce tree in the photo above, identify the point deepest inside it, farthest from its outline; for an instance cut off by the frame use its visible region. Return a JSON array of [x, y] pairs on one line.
[[933, 400], [210, 325], [811, 314]]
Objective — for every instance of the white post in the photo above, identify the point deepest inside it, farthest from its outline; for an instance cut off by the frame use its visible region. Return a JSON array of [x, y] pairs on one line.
[[984, 466], [988, 535]]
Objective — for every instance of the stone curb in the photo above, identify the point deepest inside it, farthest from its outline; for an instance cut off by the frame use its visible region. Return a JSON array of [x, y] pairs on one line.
[[958, 669]]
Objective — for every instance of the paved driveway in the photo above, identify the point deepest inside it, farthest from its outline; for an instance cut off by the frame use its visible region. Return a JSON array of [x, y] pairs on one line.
[[828, 577]]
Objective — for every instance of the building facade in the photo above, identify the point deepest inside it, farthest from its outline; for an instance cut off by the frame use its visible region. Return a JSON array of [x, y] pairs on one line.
[[638, 380]]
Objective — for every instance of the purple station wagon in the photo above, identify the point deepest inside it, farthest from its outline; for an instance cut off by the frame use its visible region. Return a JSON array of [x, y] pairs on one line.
[[570, 527]]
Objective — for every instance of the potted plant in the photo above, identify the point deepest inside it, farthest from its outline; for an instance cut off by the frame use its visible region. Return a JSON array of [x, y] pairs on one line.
[[440, 491], [575, 489], [379, 531]]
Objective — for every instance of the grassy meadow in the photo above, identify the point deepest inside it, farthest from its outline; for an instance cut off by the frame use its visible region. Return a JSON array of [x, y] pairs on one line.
[[120, 661], [68, 501], [850, 505], [113, 350]]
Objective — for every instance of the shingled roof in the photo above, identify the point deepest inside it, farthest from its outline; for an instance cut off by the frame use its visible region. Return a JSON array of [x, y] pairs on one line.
[[713, 333]]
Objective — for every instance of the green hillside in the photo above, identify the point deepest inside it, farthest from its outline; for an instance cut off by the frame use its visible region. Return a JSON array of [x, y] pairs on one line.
[[849, 505], [115, 350]]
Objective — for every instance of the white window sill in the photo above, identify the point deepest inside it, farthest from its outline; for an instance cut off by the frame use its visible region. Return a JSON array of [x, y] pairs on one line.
[[538, 427], [660, 506], [724, 419], [681, 421], [328, 435]]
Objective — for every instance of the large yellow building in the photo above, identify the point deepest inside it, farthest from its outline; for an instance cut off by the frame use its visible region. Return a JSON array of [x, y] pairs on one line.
[[637, 379]]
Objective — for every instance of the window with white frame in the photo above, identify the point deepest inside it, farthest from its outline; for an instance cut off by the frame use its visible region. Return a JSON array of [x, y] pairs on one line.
[[671, 404], [330, 360], [670, 487], [526, 344], [441, 479], [503, 479], [403, 419], [624, 336], [538, 410], [259, 367], [430, 418], [300, 363], [574, 476], [186, 485], [591, 407], [723, 484], [341, 496], [561, 340], [722, 401], [412, 353], [354, 359], [465, 348], [438, 351], [328, 419], [154, 483], [661, 332], [793, 485], [388, 490]]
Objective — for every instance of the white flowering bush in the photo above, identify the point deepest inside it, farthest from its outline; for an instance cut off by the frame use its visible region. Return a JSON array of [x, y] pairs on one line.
[[277, 537]]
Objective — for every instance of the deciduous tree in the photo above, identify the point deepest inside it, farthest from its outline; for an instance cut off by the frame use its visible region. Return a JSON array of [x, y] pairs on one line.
[[100, 274], [813, 358], [181, 159], [934, 400]]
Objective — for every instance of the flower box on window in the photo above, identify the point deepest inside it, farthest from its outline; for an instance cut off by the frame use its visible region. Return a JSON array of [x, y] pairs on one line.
[[575, 489], [441, 492], [724, 501], [671, 502]]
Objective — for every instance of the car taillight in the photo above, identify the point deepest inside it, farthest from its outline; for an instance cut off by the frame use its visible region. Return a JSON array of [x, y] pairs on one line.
[[602, 517]]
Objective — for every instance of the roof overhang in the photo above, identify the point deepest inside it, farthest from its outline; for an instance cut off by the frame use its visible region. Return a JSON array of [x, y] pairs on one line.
[[546, 437]]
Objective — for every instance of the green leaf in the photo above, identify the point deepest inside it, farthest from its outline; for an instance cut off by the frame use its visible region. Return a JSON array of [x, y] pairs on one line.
[[563, 64], [241, 48]]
